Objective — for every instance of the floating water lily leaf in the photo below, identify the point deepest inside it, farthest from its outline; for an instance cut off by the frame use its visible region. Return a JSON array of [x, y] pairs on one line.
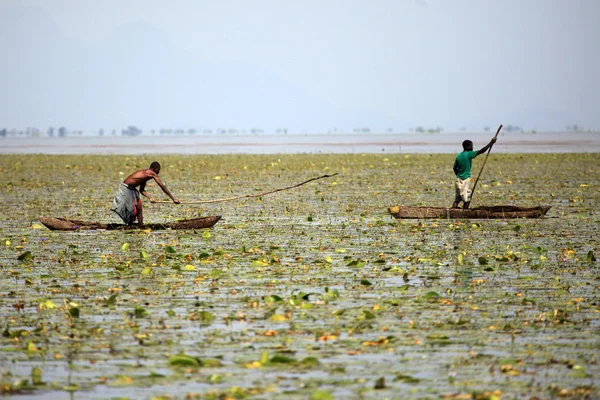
[[140, 312], [183, 360], [112, 300], [301, 297], [74, 311], [281, 359], [321, 395], [216, 273], [146, 271], [437, 336], [578, 372], [590, 256], [273, 299], [125, 246], [205, 255], [206, 235], [47, 305], [264, 357], [368, 314], [206, 316], [295, 300], [143, 254], [407, 379], [278, 318], [482, 260], [25, 256], [328, 260], [356, 263], [310, 361], [211, 363], [331, 294], [170, 250], [71, 388], [431, 295], [19, 333], [36, 376], [365, 282], [189, 267]]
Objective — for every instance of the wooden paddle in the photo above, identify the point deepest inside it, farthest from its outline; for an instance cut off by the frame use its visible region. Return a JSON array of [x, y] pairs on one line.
[[484, 161], [249, 195]]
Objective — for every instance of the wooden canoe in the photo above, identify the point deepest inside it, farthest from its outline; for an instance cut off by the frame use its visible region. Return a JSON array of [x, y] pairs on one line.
[[494, 212], [63, 224]]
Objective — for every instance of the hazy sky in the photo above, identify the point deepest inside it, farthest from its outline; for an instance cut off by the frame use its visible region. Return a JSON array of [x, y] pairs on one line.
[[302, 65]]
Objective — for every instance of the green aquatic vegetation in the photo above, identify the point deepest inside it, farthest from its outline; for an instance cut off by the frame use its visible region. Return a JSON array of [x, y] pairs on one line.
[[314, 292]]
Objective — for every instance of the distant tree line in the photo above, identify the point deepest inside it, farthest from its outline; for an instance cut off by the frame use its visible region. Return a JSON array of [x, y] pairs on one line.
[[133, 130], [420, 129]]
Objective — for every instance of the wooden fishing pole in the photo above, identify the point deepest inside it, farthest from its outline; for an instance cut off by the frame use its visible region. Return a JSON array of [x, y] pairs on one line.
[[484, 161], [250, 195]]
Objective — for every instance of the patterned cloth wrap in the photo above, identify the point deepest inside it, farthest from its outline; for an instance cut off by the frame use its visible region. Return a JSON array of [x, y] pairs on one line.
[[126, 203]]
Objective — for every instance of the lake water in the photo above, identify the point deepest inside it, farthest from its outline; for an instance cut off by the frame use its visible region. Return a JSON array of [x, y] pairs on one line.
[[546, 142]]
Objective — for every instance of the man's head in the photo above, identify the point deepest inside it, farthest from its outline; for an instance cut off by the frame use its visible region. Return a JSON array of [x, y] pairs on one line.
[[467, 146], [155, 166]]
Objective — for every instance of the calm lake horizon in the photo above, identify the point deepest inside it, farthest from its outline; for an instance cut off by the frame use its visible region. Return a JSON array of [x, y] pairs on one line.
[[508, 142]]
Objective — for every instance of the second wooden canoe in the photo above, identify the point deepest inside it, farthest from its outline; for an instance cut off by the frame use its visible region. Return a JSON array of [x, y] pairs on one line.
[[493, 212]]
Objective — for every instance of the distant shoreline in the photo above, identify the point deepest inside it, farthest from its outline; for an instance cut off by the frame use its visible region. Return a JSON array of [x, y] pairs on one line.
[[549, 142]]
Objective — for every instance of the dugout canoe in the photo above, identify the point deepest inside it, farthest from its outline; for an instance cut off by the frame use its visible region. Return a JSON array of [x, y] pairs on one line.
[[64, 224], [493, 212]]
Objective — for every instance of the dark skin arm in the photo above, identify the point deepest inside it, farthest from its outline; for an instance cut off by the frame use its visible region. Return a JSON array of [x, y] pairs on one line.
[[140, 178], [162, 186], [486, 147]]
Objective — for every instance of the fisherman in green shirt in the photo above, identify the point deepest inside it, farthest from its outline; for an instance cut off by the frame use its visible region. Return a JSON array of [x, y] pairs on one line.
[[462, 169]]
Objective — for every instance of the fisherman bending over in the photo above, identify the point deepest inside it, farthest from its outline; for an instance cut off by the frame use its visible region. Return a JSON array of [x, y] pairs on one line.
[[128, 203]]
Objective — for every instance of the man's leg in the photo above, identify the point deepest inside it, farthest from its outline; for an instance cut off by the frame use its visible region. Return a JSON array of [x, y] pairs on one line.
[[457, 198], [140, 215], [466, 193]]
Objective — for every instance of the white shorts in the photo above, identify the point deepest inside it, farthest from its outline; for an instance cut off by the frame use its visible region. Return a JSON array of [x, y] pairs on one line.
[[463, 191]]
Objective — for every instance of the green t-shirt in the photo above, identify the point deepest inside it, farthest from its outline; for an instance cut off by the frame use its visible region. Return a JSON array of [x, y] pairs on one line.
[[462, 165]]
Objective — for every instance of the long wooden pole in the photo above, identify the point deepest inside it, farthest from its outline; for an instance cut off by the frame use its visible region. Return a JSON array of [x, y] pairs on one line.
[[250, 195], [484, 161]]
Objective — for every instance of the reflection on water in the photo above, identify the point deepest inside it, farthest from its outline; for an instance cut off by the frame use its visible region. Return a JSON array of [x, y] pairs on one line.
[[548, 142]]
